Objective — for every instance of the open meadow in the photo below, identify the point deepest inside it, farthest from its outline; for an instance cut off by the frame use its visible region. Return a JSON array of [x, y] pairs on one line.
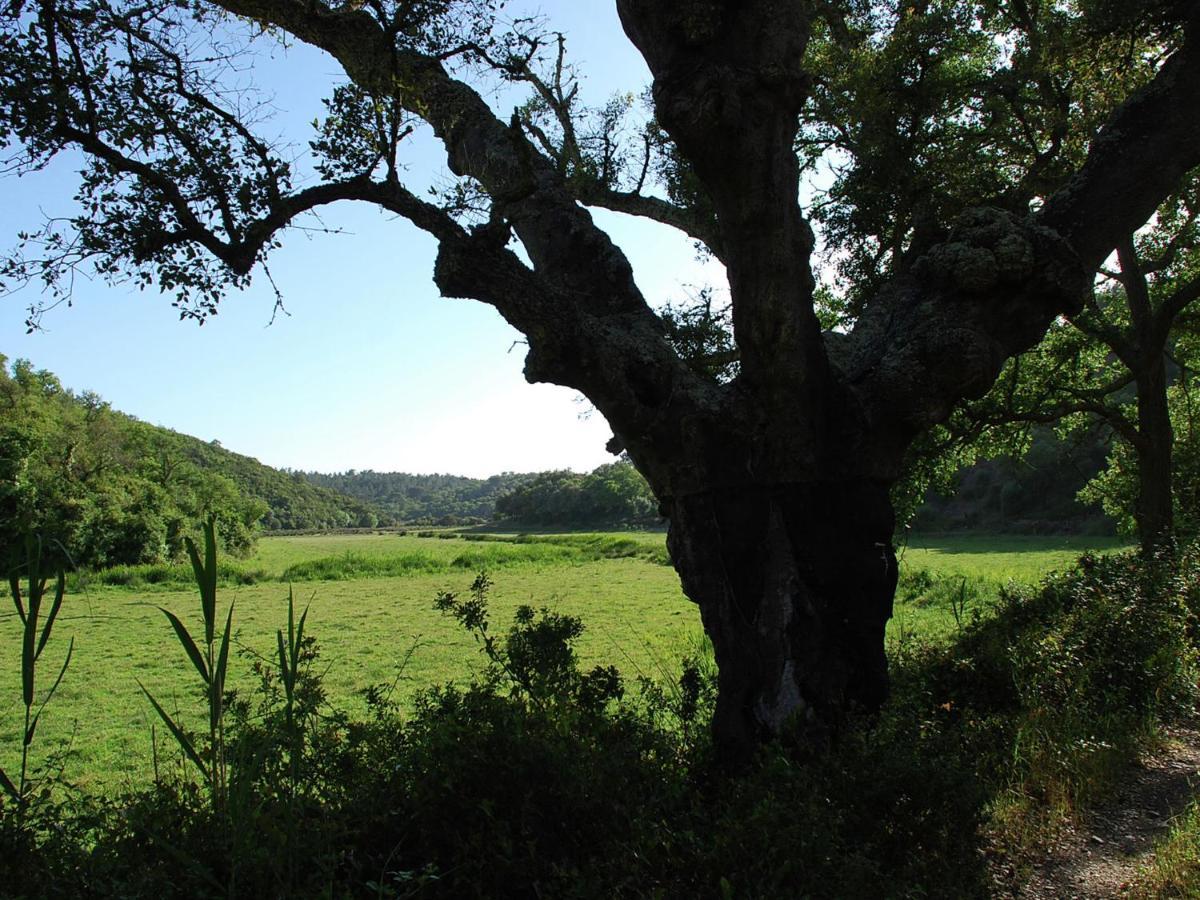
[[371, 611]]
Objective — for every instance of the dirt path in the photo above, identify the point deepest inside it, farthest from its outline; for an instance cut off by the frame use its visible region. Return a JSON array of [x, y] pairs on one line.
[[1102, 855]]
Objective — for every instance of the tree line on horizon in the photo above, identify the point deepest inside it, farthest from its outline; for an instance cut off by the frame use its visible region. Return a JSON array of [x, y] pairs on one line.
[[114, 490]]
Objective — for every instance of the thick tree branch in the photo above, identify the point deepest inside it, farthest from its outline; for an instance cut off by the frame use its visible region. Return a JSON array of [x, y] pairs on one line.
[[1136, 160], [942, 333], [1173, 306], [588, 326], [729, 85], [1137, 289]]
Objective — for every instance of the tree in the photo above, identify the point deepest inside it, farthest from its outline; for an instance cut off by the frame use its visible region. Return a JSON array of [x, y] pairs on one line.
[[1120, 488], [1112, 362], [775, 482]]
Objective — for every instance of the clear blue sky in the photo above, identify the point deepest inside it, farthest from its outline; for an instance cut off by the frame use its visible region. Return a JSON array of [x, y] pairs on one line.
[[372, 369]]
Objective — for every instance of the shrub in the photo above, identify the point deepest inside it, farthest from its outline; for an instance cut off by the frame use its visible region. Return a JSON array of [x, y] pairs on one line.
[[1057, 689]]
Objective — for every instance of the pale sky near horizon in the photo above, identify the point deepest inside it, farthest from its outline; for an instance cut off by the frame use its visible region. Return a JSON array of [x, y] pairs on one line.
[[371, 369]]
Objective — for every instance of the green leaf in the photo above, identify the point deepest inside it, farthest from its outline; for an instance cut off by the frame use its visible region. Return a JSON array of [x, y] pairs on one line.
[[14, 586], [189, 645], [197, 566], [208, 591], [284, 670], [223, 656], [299, 639], [59, 592], [217, 687], [182, 738], [9, 787], [28, 656], [50, 693]]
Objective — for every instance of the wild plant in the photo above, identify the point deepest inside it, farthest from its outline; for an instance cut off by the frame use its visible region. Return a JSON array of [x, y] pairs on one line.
[[290, 651], [35, 636], [536, 658], [211, 663]]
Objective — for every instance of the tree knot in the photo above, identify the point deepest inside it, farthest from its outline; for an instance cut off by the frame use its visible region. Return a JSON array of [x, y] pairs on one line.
[[990, 250]]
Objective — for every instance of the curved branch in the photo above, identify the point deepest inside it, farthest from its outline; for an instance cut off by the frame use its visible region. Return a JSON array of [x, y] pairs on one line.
[[657, 210], [1136, 160], [587, 324]]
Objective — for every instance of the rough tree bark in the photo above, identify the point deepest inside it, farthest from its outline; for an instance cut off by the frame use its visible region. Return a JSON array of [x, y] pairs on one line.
[[776, 484]]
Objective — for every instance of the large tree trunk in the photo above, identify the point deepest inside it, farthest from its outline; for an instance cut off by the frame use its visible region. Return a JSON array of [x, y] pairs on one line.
[[1154, 511], [795, 585]]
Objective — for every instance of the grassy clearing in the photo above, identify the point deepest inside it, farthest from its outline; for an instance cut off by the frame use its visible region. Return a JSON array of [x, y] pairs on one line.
[[1000, 558], [371, 630], [340, 557], [946, 581], [372, 614]]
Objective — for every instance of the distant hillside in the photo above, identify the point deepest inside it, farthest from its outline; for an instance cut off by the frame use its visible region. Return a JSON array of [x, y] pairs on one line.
[[612, 495], [292, 501], [1034, 495], [112, 489], [421, 499]]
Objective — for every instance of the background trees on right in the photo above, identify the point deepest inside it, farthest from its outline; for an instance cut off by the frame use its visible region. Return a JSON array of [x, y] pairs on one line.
[[1127, 361]]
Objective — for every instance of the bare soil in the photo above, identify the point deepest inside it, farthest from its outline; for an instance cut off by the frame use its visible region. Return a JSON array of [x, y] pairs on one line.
[[1100, 856]]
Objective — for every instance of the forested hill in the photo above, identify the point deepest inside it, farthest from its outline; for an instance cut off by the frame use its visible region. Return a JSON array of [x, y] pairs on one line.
[[112, 489], [416, 499], [612, 495]]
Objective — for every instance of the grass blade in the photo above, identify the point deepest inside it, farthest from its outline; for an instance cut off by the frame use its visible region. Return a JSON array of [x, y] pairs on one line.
[[28, 639], [283, 663], [197, 565], [207, 609], [53, 688], [184, 742], [189, 645], [217, 688], [223, 656], [59, 591], [208, 590], [299, 638], [9, 787], [14, 586]]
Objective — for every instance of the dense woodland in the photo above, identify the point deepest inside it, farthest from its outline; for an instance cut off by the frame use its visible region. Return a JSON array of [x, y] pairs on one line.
[[110, 489], [423, 499]]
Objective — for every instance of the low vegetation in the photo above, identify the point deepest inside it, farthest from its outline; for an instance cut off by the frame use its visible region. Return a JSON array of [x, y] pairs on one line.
[[551, 770]]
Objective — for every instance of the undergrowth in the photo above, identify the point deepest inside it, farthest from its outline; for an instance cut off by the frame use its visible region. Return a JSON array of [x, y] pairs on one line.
[[541, 778]]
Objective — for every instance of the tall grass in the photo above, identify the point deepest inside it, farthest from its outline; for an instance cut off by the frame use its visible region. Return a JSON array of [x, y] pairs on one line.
[[211, 664], [488, 552], [35, 634]]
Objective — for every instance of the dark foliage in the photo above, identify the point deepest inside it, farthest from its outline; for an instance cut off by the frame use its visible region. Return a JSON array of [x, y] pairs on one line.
[[1034, 494], [613, 494]]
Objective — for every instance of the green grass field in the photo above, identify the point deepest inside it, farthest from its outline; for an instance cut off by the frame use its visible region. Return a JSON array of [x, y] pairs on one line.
[[372, 614]]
